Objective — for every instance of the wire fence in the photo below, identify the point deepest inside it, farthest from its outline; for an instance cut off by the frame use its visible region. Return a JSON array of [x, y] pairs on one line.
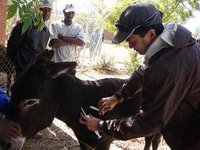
[[7, 70]]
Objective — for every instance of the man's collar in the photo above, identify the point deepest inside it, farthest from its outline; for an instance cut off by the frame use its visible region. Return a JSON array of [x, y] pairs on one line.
[[164, 40]]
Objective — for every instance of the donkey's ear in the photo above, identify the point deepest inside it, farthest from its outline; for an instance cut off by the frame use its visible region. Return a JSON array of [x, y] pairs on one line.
[[44, 57], [47, 54], [56, 69]]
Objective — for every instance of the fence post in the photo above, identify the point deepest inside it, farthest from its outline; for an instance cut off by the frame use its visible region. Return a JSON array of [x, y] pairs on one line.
[[3, 11]]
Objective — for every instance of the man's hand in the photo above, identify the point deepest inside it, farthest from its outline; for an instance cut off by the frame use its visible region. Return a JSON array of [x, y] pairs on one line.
[[9, 129], [107, 104], [91, 123], [61, 37]]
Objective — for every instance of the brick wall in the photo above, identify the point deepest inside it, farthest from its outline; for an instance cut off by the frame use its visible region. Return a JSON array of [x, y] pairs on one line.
[[3, 10]]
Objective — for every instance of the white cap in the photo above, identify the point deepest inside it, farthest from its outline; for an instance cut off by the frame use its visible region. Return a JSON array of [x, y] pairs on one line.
[[46, 3], [69, 7], [198, 37]]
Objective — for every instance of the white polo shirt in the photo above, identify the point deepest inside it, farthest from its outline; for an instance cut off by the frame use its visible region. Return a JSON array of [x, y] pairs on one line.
[[67, 52]]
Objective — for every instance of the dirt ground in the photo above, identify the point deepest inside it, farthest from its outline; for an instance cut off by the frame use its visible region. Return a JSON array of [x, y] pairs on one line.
[[61, 137]]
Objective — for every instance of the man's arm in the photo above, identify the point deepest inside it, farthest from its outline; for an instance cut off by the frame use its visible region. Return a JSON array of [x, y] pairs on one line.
[[72, 40], [160, 102], [55, 43], [127, 91], [63, 40], [58, 40], [14, 40], [133, 85]]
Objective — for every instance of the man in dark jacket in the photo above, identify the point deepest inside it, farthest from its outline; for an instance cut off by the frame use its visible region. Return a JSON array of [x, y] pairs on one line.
[[169, 82], [22, 48], [198, 39]]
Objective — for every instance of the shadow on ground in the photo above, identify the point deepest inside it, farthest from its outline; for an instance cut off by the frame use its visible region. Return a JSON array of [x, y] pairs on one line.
[[53, 138]]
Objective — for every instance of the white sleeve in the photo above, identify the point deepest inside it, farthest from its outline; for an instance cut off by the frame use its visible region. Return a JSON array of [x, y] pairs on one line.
[[81, 34], [54, 31]]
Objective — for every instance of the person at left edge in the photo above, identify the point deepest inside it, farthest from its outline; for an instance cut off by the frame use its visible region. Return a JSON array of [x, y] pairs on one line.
[[22, 48]]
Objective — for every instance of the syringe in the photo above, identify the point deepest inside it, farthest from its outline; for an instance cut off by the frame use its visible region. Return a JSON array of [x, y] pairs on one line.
[[96, 132]]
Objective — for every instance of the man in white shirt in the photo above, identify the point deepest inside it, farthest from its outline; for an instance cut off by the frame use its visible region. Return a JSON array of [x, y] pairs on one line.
[[66, 36]]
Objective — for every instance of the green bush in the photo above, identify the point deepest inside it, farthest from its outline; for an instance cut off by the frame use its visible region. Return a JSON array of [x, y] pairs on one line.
[[133, 63]]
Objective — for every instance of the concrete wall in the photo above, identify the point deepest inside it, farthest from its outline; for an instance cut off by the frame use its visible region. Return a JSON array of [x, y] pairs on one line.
[[3, 11]]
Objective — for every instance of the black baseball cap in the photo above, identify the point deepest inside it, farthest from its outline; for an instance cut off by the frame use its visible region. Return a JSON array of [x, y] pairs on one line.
[[133, 17]]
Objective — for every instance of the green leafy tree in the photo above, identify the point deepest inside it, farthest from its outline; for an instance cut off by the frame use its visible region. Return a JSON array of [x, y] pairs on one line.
[[28, 11], [114, 14], [174, 10]]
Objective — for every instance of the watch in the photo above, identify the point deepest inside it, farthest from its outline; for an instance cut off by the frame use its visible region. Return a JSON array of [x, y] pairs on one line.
[[100, 125]]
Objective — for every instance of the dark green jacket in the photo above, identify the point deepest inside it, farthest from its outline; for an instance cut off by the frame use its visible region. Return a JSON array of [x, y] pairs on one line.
[[170, 86], [22, 48]]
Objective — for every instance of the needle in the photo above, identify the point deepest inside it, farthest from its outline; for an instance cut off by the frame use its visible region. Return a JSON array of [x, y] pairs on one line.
[[94, 108]]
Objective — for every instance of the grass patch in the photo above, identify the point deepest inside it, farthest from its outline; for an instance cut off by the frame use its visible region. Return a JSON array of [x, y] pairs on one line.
[[105, 64]]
